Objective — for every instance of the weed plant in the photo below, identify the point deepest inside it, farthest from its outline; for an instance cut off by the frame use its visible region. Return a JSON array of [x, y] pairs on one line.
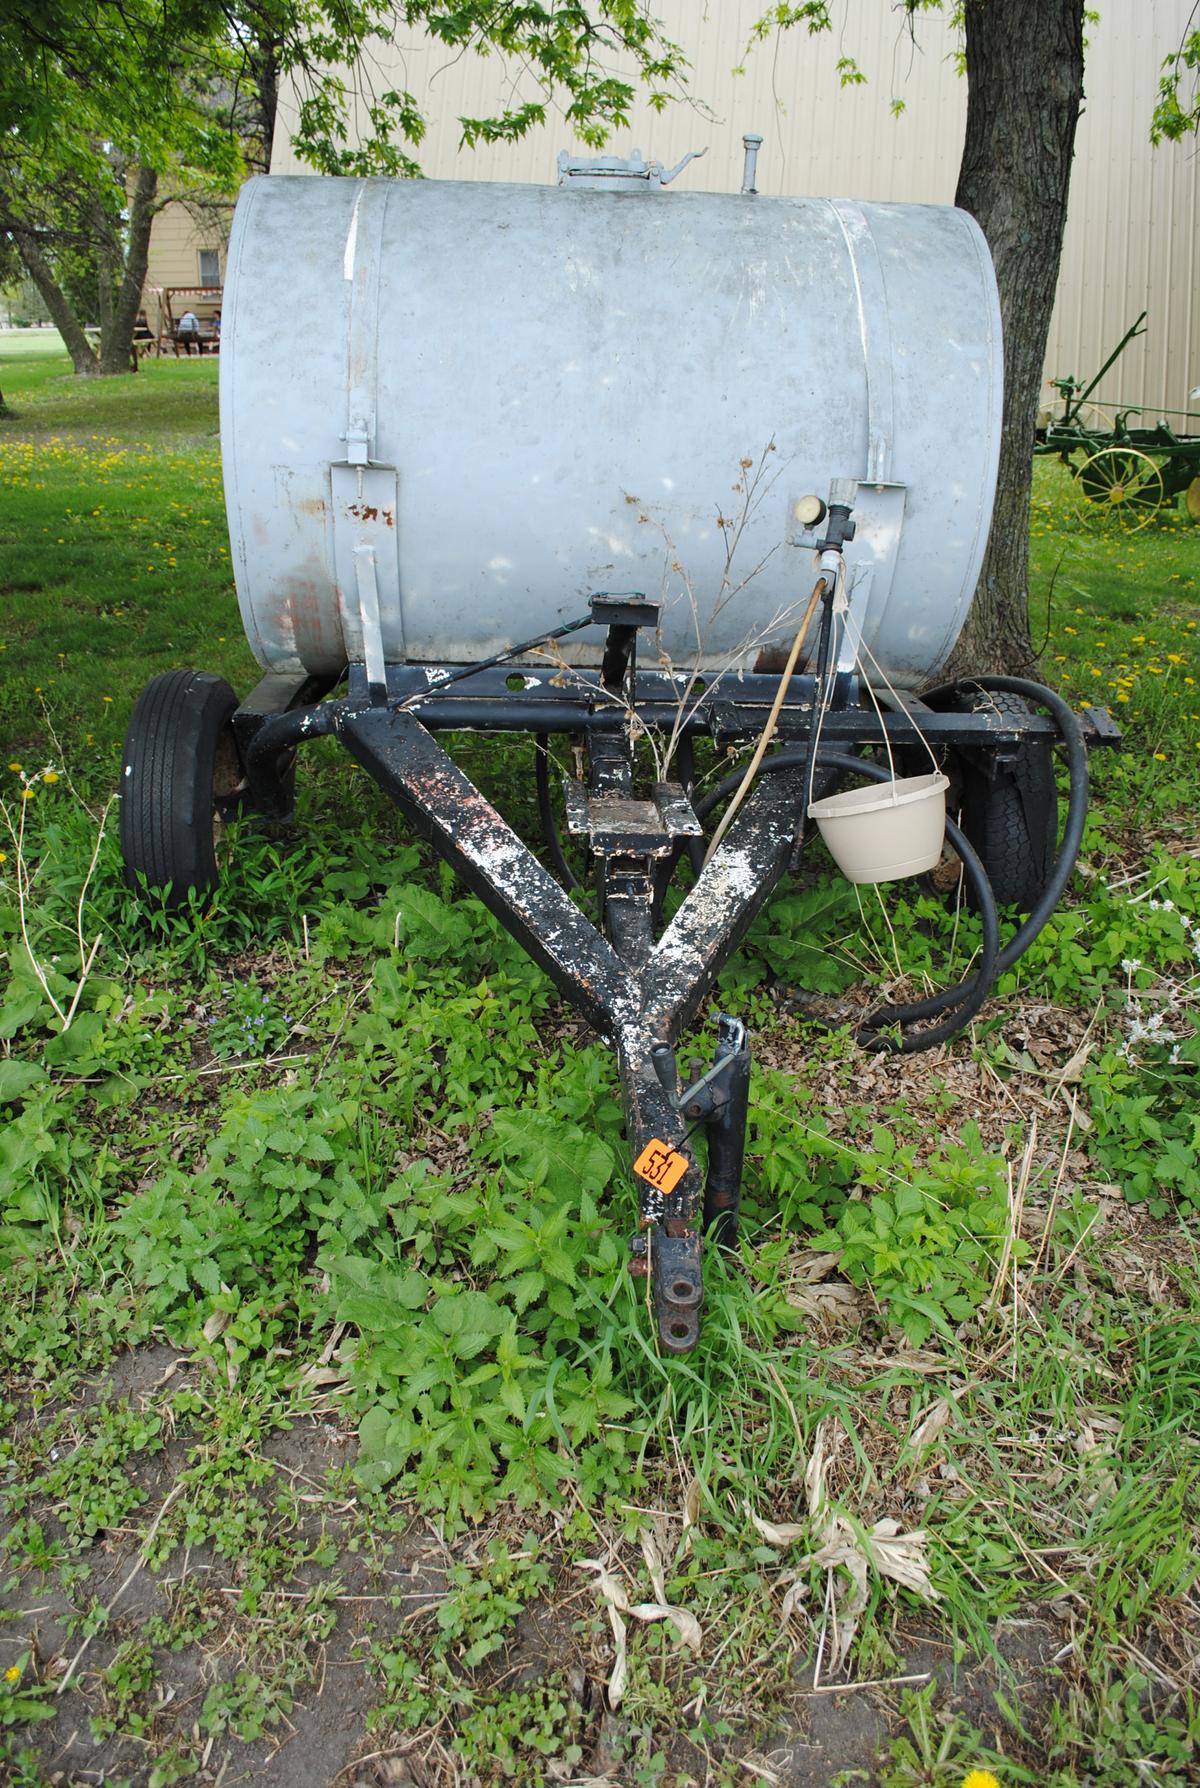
[[332, 1139]]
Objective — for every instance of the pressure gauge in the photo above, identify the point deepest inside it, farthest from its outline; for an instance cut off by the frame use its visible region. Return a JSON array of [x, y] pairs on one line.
[[809, 512]]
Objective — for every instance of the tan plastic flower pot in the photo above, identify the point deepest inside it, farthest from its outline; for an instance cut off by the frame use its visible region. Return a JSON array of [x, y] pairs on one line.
[[886, 830]]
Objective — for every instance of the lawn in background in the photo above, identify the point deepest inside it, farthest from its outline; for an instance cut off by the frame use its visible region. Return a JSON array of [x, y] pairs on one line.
[[114, 556], [17, 345], [315, 1310]]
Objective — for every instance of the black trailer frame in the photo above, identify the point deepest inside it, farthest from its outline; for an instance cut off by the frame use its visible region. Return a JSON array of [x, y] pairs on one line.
[[637, 987]]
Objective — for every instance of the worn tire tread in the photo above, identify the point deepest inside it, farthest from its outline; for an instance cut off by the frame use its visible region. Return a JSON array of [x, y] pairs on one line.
[[167, 781], [994, 818]]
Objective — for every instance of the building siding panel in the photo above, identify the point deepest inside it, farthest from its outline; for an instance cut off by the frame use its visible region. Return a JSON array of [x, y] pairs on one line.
[[1134, 221]]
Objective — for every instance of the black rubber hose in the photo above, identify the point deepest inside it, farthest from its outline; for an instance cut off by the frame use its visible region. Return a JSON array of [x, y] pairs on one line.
[[961, 1002], [1077, 796], [1077, 799], [541, 771], [789, 757]]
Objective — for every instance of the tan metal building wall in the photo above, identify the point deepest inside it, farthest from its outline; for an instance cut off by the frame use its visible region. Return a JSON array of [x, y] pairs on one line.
[[1133, 232]]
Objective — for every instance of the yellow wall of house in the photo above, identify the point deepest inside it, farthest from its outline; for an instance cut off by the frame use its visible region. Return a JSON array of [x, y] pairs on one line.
[[175, 244]]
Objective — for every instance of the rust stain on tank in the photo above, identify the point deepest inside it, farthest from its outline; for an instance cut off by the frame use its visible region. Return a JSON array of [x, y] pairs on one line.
[[301, 609], [311, 506], [365, 511]]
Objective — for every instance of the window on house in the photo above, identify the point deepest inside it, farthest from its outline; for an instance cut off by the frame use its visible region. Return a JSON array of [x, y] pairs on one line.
[[210, 267]]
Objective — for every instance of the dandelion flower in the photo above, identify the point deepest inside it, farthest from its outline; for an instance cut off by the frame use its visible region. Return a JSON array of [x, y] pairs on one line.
[[980, 1778], [49, 775], [13, 1673], [14, 765]]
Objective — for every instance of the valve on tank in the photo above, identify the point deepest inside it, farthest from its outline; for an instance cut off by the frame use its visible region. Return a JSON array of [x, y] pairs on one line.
[[751, 143]]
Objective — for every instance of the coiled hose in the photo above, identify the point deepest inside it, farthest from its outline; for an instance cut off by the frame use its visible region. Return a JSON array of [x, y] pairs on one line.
[[964, 1000]]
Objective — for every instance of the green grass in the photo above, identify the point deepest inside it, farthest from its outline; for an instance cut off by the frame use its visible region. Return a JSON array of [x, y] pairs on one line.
[[114, 559], [1121, 630], [329, 1154], [17, 345]]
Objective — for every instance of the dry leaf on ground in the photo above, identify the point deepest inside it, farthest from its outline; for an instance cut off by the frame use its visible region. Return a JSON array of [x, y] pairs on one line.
[[618, 1604], [846, 1550]]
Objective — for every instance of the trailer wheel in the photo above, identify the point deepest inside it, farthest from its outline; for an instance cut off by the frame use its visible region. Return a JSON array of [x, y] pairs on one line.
[[1010, 811], [181, 781]]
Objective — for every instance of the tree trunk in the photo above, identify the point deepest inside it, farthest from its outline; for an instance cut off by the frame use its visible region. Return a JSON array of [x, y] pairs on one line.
[[4, 409], [265, 63], [1024, 88], [107, 253], [117, 347], [83, 359]]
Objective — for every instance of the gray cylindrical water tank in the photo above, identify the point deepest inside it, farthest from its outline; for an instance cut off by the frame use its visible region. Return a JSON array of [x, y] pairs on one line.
[[468, 407]]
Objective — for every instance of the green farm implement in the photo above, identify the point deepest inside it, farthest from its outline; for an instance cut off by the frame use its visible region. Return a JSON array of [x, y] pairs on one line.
[[1125, 471]]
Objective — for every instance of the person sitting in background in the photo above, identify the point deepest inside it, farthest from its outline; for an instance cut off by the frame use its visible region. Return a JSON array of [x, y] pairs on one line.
[[188, 332], [141, 343]]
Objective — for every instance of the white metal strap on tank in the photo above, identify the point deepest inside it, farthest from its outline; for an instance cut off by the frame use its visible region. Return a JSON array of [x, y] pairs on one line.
[[875, 330], [372, 514], [361, 265]]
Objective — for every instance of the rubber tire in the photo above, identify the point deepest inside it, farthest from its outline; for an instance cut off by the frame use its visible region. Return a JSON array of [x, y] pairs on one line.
[[1012, 818], [180, 741]]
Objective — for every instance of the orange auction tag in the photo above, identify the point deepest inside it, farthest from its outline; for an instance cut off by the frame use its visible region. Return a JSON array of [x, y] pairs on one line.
[[661, 1165]]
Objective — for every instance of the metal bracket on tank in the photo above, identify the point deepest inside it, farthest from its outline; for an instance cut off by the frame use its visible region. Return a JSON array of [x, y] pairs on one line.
[[597, 173], [363, 503], [372, 631], [359, 438], [879, 509]]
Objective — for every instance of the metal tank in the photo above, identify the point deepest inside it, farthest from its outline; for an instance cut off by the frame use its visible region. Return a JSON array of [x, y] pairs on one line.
[[458, 419], [466, 408]]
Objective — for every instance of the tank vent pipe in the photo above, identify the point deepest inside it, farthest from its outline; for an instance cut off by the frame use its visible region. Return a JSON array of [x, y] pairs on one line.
[[752, 145]]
